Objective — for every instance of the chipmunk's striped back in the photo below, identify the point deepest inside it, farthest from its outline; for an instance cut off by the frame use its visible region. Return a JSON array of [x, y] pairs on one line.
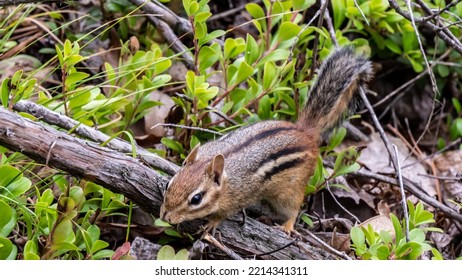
[[270, 160]]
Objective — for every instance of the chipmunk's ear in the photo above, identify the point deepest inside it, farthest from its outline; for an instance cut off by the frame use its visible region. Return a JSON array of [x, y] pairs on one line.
[[216, 169], [192, 156]]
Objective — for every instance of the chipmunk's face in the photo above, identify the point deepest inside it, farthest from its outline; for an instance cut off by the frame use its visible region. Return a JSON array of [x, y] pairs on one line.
[[195, 190]]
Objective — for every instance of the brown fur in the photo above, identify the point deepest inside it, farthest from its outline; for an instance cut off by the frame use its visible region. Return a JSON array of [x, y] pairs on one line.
[[270, 160]]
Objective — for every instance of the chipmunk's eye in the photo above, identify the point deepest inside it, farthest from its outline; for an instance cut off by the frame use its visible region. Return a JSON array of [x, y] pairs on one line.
[[196, 199]]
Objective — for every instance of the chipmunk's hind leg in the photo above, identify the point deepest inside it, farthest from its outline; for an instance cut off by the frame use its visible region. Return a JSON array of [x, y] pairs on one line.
[[288, 207]]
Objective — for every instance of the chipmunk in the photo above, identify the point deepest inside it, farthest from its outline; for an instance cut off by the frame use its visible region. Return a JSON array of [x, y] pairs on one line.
[[268, 160]]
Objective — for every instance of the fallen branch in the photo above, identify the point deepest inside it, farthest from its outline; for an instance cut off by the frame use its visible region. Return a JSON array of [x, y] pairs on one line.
[[94, 135]]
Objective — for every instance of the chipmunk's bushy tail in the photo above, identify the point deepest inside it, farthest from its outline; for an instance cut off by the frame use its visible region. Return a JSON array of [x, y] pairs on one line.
[[336, 92]]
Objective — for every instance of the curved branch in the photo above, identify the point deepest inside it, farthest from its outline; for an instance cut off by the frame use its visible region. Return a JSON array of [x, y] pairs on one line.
[[424, 22]]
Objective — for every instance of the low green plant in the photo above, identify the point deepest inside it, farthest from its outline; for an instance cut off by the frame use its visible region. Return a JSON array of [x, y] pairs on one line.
[[369, 244], [168, 253], [344, 163]]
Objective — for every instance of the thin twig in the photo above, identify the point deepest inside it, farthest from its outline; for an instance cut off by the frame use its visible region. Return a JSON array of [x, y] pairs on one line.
[[410, 187], [362, 13], [177, 23], [212, 241], [275, 250], [447, 147], [378, 127], [174, 42], [324, 4], [339, 204], [322, 243], [403, 194], [318, 12], [330, 27], [436, 92], [456, 178], [455, 44], [441, 11]]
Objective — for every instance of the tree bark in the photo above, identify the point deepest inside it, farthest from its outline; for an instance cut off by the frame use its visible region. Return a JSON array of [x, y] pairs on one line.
[[123, 174]]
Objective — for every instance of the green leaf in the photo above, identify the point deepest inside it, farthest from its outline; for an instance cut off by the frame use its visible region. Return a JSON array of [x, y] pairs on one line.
[[31, 250], [160, 223], [357, 236], [386, 237], [166, 253], [255, 10], [201, 30], [161, 65], [457, 105], [382, 252], [269, 75], [77, 194], [264, 108], [114, 103], [183, 254], [276, 55], [252, 51], [417, 66], [302, 4], [337, 138], [8, 174], [93, 232], [172, 232], [456, 128], [205, 95], [7, 219], [31, 257], [99, 245], [173, 144], [394, 47], [8, 250], [207, 57], [18, 187], [5, 92], [187, 6], [417, 235], [287, 31], [202, 16], [47, 197], [436, 255], [75, 78], [211, 36], [64, 246], [234, 47], [243, 72], [443, 70], [399, 234], [63, 232], [307, 220], [103, 254]]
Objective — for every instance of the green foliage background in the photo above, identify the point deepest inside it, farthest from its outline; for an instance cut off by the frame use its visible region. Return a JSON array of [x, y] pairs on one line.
[[45, 214]]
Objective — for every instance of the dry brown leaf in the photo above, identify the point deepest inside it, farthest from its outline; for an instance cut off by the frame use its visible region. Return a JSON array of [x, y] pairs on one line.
[[158, 114], [23, 62], [379, 223], [376, 158], [449, 165]]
